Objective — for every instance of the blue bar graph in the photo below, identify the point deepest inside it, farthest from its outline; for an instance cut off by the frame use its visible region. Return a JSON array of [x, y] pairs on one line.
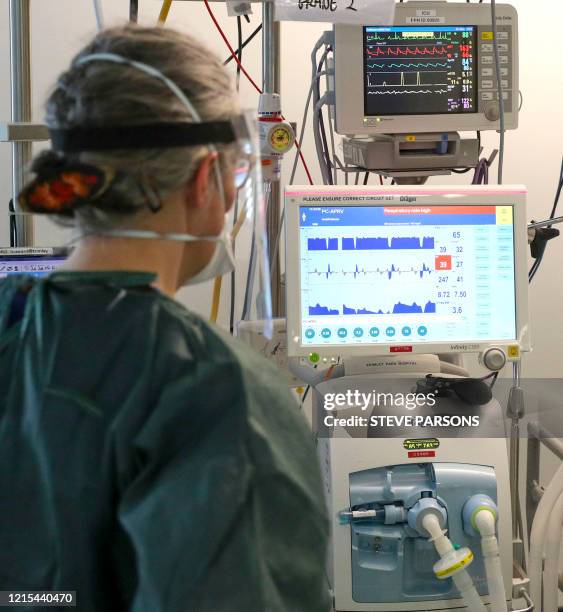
[[382, 244], [322, 244], [319, 310]]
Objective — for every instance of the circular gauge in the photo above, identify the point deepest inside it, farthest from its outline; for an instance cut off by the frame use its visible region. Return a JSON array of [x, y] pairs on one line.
[[281, 138]]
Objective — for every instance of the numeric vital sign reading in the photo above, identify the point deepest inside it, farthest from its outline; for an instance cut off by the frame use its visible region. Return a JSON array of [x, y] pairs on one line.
[[420, 70], [401, 274]]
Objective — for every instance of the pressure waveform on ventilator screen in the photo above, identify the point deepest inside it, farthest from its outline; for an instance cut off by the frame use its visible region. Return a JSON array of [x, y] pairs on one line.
[[398, 308], [363, 273], [397, 52], [371, 244], [376, 244]]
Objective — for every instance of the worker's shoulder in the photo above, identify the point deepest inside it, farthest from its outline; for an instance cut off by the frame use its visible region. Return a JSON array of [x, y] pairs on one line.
[[209, 342]]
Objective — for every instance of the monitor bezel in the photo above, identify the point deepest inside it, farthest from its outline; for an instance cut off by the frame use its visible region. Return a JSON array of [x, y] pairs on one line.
[[475, 195]]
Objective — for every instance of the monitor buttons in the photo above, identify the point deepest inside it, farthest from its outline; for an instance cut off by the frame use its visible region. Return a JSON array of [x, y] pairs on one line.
[[487, 60], [487, 48], [504, 72], [374, 332], [358, 332], [310, 333], [502, 35], [342, 332], [487, 72], [488, 84], [503, 47], [487, 95], [422, 330], [326, 333], [406, 331], [503, 59], [390, 332]]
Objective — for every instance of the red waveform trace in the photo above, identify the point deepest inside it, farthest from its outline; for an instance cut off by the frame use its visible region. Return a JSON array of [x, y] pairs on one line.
[[407, 51]]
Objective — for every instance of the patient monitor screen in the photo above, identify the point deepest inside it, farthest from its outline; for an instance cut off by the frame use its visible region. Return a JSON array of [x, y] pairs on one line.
[[400, 274], [420, 70]]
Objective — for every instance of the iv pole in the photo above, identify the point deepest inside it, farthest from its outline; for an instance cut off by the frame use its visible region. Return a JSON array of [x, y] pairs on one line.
[[20, 65], [271, 71]]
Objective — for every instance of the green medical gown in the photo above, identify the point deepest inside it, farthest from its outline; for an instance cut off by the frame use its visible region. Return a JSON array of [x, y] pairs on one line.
[[149, 461]]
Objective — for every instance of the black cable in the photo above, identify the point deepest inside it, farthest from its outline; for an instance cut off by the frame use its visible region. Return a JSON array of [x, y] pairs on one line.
[[321, 122], [537, 263], [304, 396], [13, 225], [462, 171], [247, 18], [239, 50], [366, 178], [134, 11], [249, 39]]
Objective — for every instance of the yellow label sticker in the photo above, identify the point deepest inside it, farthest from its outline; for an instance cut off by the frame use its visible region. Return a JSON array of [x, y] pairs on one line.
[[513, 351], [487, 36], [504, 215], [410, 138]]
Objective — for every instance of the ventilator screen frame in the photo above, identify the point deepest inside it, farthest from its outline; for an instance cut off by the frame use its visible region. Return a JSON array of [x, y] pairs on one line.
[[404, 205]]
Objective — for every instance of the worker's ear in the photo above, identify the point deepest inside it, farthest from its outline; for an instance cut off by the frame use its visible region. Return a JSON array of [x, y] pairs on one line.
[[202, 184]]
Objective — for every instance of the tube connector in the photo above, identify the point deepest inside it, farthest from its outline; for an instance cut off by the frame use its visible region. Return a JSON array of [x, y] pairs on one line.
[[480, 514], [423, 508]]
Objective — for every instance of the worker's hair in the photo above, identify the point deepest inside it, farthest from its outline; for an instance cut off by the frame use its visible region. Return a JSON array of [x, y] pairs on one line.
[[102, 93]]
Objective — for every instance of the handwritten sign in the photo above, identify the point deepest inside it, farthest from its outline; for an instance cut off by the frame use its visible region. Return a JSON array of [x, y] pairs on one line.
[[361, 12]]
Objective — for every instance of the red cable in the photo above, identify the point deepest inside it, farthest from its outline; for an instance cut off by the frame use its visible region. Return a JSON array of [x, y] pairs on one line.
[[236, 59]]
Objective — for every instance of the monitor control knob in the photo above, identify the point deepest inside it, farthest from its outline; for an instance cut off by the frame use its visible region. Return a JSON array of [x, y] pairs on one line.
[[492, 112], [494, 359]]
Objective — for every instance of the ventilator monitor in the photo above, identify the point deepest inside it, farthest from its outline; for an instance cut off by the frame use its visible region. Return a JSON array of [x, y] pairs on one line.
[[32, 261], [374, 271], [432, 71]]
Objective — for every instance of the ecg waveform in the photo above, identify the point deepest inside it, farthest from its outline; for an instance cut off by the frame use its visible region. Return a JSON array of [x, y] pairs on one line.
[[357, 272], [408, 79], [398, 308], [410, 65], [395, 52]]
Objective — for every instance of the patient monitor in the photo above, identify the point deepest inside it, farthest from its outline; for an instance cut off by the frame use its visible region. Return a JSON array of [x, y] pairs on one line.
[[432, 71]]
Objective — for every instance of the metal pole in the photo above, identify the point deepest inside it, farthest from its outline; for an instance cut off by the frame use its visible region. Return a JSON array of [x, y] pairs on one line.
[[271, 84], [532, 480], [515, 456], [20, 65]]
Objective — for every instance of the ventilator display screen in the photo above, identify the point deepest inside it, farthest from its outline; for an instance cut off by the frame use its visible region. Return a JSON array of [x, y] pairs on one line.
[[402, 274], [420, 70], [30, 265]]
